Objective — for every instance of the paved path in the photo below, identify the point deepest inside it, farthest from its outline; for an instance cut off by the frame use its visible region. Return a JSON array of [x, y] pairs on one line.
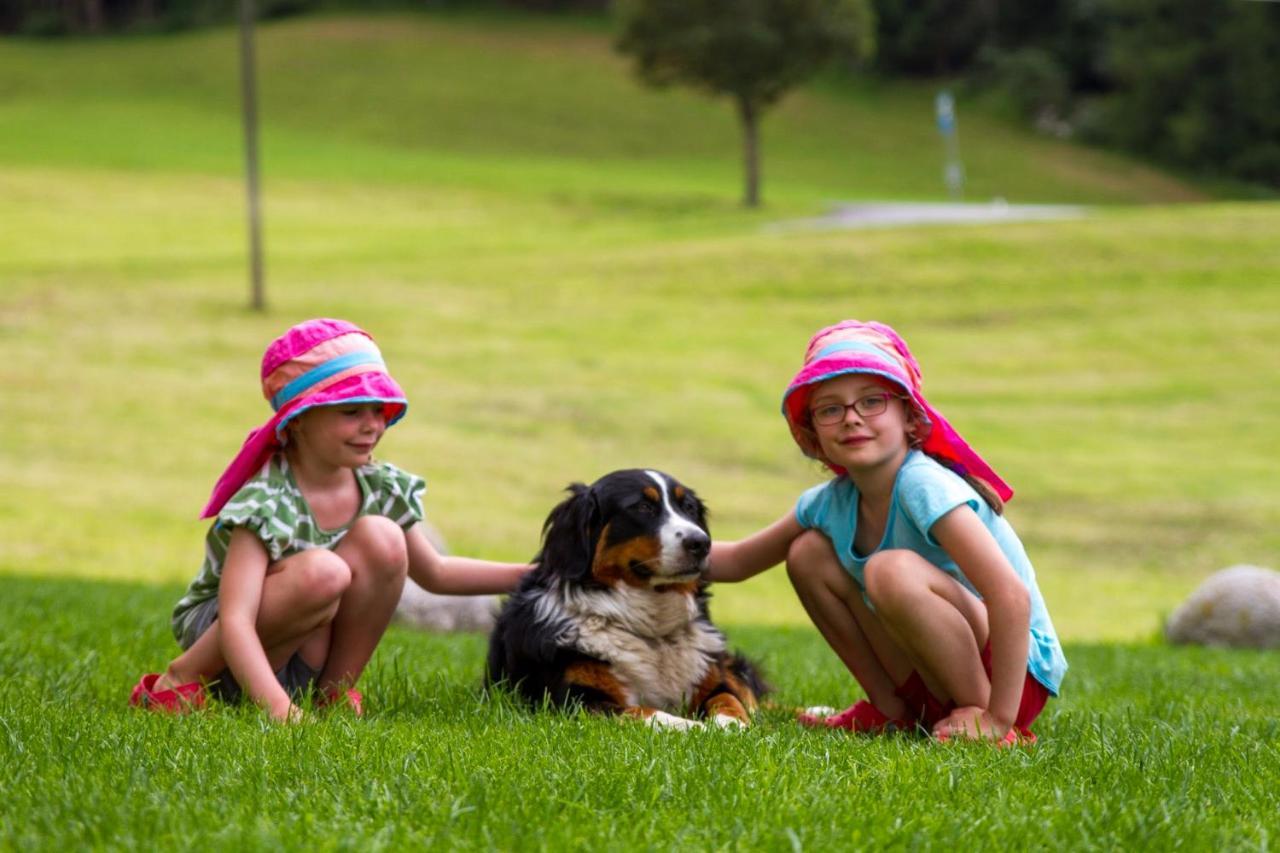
[[891, 214]]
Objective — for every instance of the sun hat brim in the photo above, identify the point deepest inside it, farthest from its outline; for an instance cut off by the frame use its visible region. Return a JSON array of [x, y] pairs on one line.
[[937, 437], [371, 387]]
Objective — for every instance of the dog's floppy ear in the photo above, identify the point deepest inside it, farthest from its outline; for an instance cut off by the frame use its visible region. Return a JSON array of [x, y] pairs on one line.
[[569, 533]]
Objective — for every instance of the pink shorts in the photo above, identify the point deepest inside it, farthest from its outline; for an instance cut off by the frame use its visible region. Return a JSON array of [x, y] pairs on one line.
[[927, 709]]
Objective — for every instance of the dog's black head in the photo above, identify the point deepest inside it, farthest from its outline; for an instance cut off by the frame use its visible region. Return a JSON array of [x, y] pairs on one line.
[[635, 527]]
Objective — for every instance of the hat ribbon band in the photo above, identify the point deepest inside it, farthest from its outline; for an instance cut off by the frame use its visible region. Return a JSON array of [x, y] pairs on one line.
[[855, 346], [319, 374]]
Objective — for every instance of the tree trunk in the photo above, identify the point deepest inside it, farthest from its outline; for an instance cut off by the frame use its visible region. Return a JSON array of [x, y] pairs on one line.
[[93, 15], [747, 112], [249, 110]]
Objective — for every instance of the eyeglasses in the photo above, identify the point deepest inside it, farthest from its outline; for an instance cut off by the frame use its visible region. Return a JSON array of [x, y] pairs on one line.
[[869, 406]]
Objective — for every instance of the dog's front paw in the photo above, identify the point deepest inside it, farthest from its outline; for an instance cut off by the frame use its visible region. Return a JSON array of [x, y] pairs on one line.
[[729, 723], [663, 720]]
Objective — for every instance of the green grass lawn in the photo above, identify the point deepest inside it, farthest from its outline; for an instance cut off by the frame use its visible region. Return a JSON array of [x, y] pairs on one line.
[[554, 263], [1152, 749]]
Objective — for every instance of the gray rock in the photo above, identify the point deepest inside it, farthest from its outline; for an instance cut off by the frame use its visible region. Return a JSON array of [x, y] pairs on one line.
[[1237, 607], [431, 612]]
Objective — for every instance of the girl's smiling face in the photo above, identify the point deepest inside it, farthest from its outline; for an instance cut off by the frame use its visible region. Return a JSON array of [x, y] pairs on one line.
[[860, 442], [342, 436]]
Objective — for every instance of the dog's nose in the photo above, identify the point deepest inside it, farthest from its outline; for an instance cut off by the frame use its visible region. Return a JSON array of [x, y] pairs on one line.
[[697, 545]]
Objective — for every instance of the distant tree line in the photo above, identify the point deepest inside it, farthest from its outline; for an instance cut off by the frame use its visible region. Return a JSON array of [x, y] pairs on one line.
[[1194, 84], [77, 17], [47, 18]]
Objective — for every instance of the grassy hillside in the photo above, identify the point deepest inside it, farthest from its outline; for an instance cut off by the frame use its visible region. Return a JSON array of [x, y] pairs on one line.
[[519, 105], [554, 264]]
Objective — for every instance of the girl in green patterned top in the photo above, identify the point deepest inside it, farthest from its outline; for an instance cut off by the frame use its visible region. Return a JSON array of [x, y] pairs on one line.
[[312, 540]]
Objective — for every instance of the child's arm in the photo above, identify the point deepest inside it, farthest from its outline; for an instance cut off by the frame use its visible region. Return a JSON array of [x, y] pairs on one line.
[[239, 597], [737, 561], [1008, 605], [449, 575]]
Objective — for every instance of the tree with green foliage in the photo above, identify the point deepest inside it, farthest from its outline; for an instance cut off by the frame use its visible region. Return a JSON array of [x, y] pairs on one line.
[[1196, 85], [753, 51], [931, 37]]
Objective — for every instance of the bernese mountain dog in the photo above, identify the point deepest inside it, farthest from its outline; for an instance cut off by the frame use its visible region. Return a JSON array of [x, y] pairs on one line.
[[614, 616]]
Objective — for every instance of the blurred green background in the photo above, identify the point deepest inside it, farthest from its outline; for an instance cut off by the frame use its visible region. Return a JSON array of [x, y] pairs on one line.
[[558, 272]]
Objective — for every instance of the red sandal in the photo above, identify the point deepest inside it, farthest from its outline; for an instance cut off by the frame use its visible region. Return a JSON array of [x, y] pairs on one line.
[[351, 697], [176, 700], [861, 716]]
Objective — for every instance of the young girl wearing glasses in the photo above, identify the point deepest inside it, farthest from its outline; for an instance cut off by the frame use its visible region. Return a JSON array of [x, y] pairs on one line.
[[904, 561]]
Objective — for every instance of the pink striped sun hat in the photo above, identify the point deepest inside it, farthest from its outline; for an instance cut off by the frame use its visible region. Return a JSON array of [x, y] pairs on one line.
[[876, 349], [316, 363]]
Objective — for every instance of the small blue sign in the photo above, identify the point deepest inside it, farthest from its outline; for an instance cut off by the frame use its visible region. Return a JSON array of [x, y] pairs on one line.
[[945, 108]]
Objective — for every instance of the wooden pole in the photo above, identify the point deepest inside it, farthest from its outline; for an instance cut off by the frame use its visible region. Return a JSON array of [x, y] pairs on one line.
[[249, 105]]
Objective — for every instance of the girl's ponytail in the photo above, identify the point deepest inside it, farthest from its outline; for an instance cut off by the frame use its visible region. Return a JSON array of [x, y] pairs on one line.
[[981, 486], [984, 489]]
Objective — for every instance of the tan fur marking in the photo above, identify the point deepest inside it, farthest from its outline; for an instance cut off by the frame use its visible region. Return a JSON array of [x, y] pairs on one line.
[[679, 493], [596, 676], [613, 563], [652, 494], [745, 694], [639, 712], [727, 706], [603, 570], [720, 676], [710, 681]]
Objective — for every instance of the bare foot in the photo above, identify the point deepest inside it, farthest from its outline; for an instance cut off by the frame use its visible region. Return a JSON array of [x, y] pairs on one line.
[[971, 723]]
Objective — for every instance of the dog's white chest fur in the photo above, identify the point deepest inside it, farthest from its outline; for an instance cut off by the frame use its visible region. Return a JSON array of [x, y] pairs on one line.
[[654, 642]]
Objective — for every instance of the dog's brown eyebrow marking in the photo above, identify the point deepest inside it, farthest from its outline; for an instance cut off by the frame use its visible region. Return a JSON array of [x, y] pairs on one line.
[[652, 494], [679, 493]]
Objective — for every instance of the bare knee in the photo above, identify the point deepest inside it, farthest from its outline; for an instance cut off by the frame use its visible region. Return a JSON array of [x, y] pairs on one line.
[[890, 577], [322, 576], [381, 546], [806, 556]]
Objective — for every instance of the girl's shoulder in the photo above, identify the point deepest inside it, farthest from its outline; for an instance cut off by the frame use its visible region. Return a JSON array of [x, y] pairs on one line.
[[268, 486], [385, 473], [919, 470], [832, 498], [927, 489], [269, 505], [392, 492]]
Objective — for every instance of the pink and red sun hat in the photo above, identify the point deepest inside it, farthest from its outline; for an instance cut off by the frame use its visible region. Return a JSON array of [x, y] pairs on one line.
[[320, 362], [877, 350]]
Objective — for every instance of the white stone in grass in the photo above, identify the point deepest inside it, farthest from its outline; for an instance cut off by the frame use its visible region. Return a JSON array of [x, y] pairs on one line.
[[1238, 607], [444, 613], [820, 710]]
